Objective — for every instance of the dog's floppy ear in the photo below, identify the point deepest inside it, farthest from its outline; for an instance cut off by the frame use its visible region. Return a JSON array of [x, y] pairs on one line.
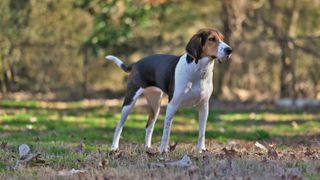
[[194, 46]]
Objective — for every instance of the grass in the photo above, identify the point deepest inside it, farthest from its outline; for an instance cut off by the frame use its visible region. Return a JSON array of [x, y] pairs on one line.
[[56, 129]]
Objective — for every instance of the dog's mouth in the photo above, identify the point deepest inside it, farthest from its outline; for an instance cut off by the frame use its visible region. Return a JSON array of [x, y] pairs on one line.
[[213, 57], [220, 60]]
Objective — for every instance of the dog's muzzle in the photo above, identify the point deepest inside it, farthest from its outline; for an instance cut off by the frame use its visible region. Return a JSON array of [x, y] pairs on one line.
[[227, 52]]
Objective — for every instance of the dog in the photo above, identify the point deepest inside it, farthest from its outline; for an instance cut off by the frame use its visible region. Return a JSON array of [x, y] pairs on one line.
[[186, 79]]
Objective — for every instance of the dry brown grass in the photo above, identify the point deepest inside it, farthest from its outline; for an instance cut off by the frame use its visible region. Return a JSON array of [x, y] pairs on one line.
[[231, 160]]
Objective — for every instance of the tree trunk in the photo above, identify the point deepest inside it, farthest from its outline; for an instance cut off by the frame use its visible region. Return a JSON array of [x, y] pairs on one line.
[[2, 76], [287, 75], [85, 72], [233, 13], [283, 31]]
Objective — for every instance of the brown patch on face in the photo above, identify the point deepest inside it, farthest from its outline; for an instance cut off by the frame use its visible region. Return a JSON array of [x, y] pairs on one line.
[[210, 47]]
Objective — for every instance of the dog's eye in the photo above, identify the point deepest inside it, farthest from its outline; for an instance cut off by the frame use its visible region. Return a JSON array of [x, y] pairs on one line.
[[212, 39]]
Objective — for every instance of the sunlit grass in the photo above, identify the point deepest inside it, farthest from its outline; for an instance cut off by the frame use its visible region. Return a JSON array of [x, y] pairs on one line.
[[99, 122]]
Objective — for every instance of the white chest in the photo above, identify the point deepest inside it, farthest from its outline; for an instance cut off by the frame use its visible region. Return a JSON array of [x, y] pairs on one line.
[[194, 82]]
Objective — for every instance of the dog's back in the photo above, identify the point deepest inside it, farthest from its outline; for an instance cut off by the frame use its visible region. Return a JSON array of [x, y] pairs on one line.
[[156, 70]]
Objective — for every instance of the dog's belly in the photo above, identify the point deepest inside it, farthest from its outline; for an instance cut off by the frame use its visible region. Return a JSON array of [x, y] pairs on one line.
[[196, 93]]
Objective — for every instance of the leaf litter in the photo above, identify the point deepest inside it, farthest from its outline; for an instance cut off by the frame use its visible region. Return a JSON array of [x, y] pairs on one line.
[[224, 160]]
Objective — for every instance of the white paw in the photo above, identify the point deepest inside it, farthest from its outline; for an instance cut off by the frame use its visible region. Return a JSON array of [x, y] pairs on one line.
[[163, 149], [114, 148], [201, 150]]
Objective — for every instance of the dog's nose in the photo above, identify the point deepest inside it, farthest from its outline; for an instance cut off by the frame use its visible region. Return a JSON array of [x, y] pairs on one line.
[[228, 50]]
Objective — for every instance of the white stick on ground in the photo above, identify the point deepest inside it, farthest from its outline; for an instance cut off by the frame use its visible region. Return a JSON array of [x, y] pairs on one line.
[[257, 144], [184, 162]]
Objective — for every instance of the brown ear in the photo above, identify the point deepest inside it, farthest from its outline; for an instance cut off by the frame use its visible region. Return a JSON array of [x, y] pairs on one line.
[[194, 47]]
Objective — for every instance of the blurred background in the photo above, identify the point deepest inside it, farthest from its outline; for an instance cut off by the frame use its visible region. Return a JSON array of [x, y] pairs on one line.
[[54, 49]]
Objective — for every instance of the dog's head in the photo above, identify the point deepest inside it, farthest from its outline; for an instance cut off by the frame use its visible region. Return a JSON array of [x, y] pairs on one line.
[[208, 43]]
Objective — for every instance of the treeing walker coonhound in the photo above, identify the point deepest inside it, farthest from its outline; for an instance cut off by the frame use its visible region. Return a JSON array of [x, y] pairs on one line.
[[186, 79]]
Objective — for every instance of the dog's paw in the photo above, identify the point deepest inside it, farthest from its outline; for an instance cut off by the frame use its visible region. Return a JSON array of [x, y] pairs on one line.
[[202, 150], [113, 149], [164, 149]]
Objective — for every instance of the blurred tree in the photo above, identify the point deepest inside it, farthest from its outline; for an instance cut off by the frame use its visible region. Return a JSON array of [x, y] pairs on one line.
[[58, 46], [284, 20], [14, 18], [115, 22], [36, 39], [233, 14]]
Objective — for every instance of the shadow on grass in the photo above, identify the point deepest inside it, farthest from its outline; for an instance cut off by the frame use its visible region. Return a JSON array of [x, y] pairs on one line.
[[104, 135], [76, 135], [263, 122], [47, 130]]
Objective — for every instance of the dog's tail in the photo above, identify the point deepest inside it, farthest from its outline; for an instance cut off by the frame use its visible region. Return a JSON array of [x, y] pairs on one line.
[[119, 63]]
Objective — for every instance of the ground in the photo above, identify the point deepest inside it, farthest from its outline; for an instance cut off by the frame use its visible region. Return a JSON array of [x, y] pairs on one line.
[[78, 134]]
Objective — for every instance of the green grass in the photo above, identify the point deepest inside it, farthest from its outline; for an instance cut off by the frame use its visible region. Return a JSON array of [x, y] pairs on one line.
[[56, 131]]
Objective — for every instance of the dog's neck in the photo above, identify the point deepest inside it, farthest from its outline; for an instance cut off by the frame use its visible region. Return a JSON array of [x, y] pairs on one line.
[[201, 70], [191, 59], [203, 63]]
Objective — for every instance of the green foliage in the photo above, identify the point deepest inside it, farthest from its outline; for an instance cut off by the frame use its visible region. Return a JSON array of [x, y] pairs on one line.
[[116, 21]]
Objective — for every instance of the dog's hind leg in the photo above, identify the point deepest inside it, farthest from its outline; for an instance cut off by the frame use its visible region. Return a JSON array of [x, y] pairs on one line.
[[132, 95], [153, 96]]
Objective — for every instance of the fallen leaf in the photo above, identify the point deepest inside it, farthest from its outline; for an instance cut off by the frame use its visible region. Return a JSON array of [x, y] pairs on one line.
[[39, 160], [119, 154], [259, 153], [173, 146], [292, 155], [26, 159], [308, 152], [272, 153], [102, 163], [80, 148], [230, 152], [23, 151], [3, 144], [151, 152], [272, 145]]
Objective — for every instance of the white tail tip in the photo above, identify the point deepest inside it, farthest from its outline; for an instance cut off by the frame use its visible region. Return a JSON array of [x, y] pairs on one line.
[[109, 57]]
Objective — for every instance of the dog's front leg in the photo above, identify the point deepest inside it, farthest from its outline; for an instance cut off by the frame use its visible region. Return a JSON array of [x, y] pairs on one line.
[[171, 110], [203, 116]]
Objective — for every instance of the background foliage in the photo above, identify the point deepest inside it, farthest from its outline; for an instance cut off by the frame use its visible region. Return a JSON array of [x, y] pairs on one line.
[[55, 46]]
